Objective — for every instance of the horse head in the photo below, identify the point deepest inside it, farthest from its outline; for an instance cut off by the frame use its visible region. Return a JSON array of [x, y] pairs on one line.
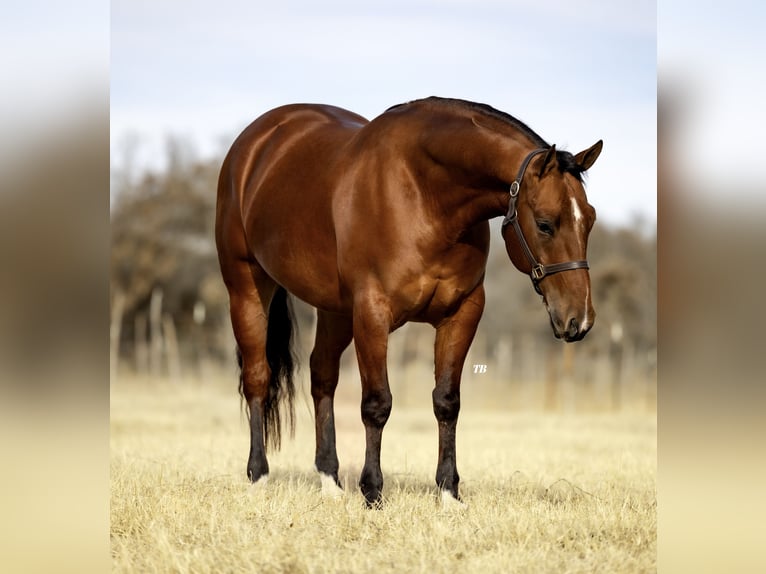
[[551, 221]]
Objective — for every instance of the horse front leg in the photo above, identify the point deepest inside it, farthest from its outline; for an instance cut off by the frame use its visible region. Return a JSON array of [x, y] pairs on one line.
[[372, 324], [333, 335], [453, 339]]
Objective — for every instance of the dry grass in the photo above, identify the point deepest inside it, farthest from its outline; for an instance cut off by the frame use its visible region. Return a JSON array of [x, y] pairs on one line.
[[544, 493]]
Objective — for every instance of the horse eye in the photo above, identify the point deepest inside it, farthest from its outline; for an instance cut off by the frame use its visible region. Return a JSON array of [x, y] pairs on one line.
[[545, 227]]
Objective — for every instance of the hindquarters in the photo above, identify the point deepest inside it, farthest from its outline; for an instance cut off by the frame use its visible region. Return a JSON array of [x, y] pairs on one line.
[[281, 185]]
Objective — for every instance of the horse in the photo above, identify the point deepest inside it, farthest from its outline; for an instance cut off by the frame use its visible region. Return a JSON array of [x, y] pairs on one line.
[[377, 223]]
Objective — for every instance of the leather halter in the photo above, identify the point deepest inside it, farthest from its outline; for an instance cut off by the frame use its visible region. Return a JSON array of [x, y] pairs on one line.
[[539, 271]]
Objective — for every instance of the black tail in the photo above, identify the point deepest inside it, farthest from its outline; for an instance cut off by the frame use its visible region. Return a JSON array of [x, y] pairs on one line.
[[282, 364]]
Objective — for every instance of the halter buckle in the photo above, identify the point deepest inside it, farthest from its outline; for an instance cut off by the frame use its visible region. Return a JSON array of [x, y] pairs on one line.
[[538, 272], [515, 188]]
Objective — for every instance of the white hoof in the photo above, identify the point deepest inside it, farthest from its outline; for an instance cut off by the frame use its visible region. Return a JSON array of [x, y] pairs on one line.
[[329, 488], [261, 482], [449, 502]]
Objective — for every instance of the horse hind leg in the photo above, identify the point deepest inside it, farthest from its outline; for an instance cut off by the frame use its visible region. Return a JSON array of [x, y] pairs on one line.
[[333, 335], [250, 294]]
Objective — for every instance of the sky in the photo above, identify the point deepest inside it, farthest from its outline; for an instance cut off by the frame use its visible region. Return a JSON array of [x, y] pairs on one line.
[[54, 72], [575, 72], [711, 69]]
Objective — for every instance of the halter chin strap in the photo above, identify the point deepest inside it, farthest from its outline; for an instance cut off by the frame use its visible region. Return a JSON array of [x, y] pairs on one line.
[[539, 271]]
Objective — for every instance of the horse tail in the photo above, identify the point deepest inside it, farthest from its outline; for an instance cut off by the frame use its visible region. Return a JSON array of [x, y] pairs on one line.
[[279, 354], [282, 363]]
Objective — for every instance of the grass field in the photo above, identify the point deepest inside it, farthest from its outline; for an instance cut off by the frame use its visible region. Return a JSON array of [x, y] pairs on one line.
[[544, 492]]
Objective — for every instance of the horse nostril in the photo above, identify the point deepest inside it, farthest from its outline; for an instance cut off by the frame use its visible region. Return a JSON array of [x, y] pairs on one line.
[[573, 328]]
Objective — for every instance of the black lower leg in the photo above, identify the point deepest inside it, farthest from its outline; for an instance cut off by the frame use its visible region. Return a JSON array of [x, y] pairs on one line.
[[257, 465], [446, 408], [371, 480], [333, 335], [376, 408], [326, 459]]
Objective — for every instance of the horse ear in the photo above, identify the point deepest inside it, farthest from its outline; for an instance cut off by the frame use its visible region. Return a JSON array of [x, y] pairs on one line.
[[549, 162], [587, 158]]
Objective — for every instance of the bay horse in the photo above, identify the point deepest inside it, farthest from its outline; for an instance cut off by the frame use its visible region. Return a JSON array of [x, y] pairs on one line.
[[377, 223]]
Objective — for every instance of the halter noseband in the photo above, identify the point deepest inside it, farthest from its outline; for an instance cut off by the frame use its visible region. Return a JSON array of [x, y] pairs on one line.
[[539, 271]]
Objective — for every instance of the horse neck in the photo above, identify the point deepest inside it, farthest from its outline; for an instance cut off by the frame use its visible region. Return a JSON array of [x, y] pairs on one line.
[[472, 168]]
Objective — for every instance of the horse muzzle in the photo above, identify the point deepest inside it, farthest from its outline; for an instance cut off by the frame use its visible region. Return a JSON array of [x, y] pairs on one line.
[[571, 329]]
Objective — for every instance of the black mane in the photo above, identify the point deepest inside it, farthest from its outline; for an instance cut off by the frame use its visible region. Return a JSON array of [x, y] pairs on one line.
[[566, 160]]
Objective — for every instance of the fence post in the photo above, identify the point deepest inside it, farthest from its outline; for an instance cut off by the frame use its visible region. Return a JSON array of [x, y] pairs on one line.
[[155, 332], [171, 345], [115, 330]]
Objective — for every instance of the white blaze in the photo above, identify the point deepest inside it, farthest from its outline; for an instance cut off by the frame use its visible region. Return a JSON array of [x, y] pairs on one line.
[[578, 219], [576, 211], [586, 319]]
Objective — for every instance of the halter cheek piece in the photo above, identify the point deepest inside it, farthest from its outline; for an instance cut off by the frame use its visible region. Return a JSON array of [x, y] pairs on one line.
[[539, 271]]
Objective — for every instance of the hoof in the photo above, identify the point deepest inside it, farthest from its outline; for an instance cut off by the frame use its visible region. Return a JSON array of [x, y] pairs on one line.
[[374, 503], [261, 481], [373, 498], [449, 502], [330, 487], [371, 485]]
